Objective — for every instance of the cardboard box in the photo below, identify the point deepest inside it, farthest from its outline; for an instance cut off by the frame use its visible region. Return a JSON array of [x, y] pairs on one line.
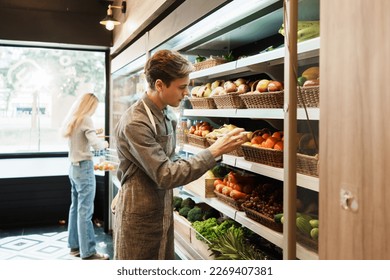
[[203, 187]]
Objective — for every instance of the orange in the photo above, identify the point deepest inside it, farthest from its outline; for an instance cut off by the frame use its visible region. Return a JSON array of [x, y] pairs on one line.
[[270, 142], [277, 134], [279, 146], [257, 140], [265, 135]]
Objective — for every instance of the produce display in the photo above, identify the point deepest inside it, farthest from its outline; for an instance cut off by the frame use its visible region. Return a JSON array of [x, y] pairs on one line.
[[218, 132], [233, 245], [200, 129], [235, 185], [309, 77], [228, 240], [266, 85], [266, 199], [264, 138], [192, 211], [202, 62], [221, 87], [105, 166], [307, 225], [306, 30]]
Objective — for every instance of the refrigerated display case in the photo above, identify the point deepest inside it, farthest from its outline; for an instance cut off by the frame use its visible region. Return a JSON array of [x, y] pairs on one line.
[[252, 37]]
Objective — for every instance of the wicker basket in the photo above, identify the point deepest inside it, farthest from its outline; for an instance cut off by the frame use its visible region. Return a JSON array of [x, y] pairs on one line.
[[262, 219], [237, 152], [202, 103], [263, 155], [310, 96], [263, 100], [198, 141], [230, 100], [307, 165], [236, 204], [209, 63]]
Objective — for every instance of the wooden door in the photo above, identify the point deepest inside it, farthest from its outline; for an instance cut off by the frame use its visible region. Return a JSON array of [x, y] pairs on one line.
[[355, 129]]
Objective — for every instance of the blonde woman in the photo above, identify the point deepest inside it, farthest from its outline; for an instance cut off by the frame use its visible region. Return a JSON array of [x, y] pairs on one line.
[[81, 134]]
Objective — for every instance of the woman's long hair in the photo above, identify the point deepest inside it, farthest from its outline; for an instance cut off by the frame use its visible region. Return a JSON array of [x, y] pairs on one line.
[[84, 106]]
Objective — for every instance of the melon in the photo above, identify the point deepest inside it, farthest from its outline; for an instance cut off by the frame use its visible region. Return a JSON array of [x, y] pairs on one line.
[[311, 73]]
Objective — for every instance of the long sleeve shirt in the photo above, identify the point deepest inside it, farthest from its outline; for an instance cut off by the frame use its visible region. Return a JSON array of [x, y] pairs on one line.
[[82, 139], [140, 148]]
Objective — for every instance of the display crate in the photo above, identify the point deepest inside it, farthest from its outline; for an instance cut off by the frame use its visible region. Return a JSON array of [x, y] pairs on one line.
[[237, 152], [263, 100], [265, 156], [236, 204], [198, 141], [308, 96], [211, 62], [307, 165], [202, 103], [230, 100], [262, 219]]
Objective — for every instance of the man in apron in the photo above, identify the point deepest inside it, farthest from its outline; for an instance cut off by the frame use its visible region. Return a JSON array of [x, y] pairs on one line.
[[149, 169]]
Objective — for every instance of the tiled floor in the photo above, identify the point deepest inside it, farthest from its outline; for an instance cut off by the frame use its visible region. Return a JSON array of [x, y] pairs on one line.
[[45, 243]]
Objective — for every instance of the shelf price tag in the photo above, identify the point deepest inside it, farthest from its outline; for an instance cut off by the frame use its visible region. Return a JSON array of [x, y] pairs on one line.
[[228, 159]]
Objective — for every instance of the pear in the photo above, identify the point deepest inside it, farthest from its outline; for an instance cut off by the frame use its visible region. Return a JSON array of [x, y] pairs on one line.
[[201, 91], [194, 91], [216, 84], [207, 92]]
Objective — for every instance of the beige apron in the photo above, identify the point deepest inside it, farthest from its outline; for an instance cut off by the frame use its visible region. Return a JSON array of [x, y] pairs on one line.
[[144, 216]]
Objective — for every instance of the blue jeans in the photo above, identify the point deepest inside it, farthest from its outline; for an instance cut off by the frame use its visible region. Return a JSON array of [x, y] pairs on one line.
[[81, 233]]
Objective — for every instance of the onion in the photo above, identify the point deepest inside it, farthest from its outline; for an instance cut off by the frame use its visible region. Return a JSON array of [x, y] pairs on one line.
[[243, 88], [229, 86]]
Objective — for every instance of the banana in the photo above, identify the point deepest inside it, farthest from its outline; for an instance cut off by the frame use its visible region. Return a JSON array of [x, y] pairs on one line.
[[304, 24], [304, 28], [308, 33]]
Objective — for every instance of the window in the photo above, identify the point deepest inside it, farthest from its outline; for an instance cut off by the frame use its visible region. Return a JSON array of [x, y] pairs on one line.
[[38, 87]]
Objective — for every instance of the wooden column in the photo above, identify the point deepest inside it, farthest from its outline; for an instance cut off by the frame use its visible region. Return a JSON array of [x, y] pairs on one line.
[[354, 130], [290, 128]]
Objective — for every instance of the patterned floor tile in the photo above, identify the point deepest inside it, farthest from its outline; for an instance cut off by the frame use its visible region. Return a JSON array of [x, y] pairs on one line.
[[46, 245]]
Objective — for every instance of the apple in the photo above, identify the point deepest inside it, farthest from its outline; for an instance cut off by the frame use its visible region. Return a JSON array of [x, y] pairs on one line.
[[275, 86], [262, 85]]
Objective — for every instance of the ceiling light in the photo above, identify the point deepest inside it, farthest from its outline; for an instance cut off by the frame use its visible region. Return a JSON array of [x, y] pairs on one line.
[[109, 21]]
